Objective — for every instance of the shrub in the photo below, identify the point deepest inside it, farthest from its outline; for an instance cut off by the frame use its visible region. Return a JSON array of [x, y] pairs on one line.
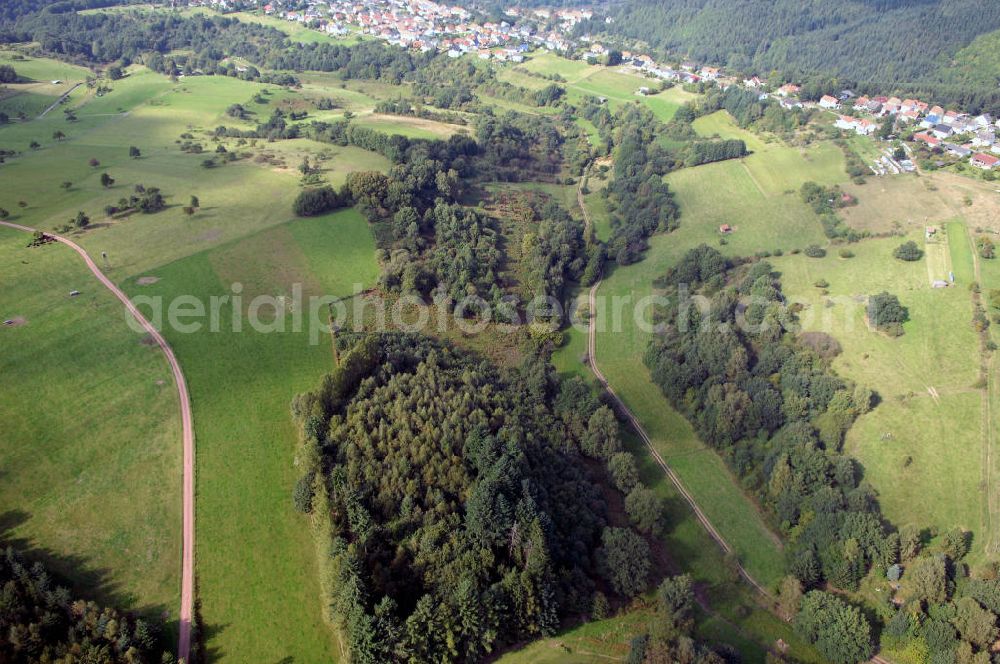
[[302, 494], [815, 251], [846, 253], [908, 251], [623, 471], [313, 202], [985, 247], [886, 313]]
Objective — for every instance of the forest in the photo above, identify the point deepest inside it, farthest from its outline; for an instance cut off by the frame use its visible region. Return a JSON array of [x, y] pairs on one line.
[[41, 621], [639, 201], [874, 46], [774, 410], [451, 506]]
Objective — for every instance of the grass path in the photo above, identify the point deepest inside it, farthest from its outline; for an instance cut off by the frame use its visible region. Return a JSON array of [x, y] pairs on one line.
[[58, 101], [986, 407], [187, 434], [639, 429]]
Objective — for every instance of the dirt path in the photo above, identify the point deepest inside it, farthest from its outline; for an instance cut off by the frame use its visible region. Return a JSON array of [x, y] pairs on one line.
[[58, 101], [671, 475], [187, 432]]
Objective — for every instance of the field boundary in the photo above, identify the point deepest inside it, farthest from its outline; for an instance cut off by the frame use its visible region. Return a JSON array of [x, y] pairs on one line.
[[187, 433]]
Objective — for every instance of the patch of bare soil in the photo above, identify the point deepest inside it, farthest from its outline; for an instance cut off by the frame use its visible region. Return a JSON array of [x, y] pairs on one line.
[[146, 281], [147, 340]]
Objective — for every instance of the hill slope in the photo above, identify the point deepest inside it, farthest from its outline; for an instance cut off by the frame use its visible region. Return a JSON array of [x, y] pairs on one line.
[[905, 44]]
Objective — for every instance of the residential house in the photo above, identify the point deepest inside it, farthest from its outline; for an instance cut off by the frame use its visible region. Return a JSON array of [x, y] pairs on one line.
[[959, 151], [984, 138], [846, 122], [826, 101], [987, 162], [984, 120], [924, 137], [709, 73], [788, 90], [942, 131], [866, 127], [861, 103], [790, 103]]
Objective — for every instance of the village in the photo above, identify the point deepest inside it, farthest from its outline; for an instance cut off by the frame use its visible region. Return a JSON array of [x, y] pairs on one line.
[[430, 26]]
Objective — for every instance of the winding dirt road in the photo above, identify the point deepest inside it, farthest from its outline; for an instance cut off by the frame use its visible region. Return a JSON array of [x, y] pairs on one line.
[[187, 432]]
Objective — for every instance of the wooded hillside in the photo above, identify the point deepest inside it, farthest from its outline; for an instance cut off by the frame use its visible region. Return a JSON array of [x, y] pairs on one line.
[[888, 44]]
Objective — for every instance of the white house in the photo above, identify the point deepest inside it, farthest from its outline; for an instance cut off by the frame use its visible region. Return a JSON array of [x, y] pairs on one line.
[[826, 101]]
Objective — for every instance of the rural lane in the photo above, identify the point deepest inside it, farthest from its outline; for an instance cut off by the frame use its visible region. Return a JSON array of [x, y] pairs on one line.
[[58, 101], [639, 429], [187, 433]]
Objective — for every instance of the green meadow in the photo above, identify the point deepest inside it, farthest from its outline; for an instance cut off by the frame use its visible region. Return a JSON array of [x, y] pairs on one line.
[[91, 434], [255, 563], [38, 89], [921, 447]]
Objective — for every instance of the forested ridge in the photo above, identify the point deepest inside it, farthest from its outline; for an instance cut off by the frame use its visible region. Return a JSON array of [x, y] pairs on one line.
[[451, 506], [878, 45]]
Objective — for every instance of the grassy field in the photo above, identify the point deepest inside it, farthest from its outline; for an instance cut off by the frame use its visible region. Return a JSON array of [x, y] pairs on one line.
[[912, 202], [736, 618], [39, 89], [255, 558], [91, 433], [921, 447], [255, 561], [618, 85], [766, 219], [409, 127]]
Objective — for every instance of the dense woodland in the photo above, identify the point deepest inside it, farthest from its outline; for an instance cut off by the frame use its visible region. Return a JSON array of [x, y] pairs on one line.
[[639, 201], [452, 510], [776, 413], [40, 621], [878, 46]]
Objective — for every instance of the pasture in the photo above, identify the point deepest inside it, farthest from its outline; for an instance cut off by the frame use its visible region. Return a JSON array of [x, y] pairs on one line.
[[91, 433], [922, 446], [256, 566], [255, 562], [38, 88], [911, 202]]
